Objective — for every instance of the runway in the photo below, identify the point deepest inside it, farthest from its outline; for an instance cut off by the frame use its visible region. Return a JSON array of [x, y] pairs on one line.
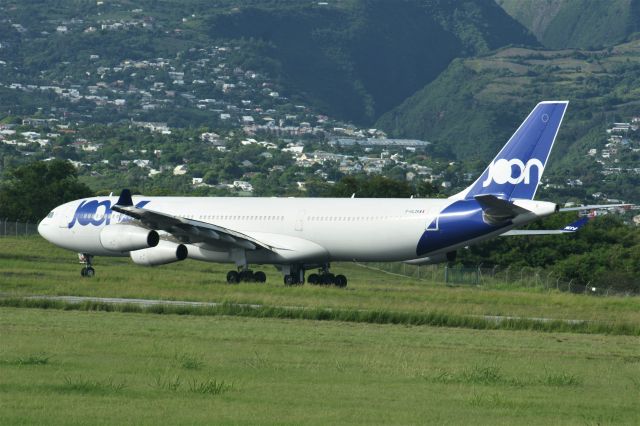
[[143, 303], [146, 303]]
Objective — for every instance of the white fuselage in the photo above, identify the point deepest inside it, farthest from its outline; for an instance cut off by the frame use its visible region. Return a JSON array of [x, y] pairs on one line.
[[307, 229]]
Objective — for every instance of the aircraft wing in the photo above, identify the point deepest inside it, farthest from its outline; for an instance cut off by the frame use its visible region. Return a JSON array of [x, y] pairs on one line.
[[187, 230], [569, 229]]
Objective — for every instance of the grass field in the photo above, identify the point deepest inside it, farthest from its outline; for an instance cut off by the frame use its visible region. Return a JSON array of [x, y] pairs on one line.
[[60, 367], [78, 364], [33, 266]]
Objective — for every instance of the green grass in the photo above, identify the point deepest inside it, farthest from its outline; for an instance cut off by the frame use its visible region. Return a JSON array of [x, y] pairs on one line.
[[31, 266], [122, 368], [439, 319], [309, 355]]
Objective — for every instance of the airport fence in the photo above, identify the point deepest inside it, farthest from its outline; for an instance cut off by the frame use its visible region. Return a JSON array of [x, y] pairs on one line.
[[15, 228], [510, 277]]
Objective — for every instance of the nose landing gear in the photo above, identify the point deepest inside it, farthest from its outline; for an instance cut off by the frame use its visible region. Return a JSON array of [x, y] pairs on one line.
[[86, 260]]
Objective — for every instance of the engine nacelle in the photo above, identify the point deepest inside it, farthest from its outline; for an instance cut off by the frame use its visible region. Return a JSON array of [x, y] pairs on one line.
[[165, 252], [127, 238]]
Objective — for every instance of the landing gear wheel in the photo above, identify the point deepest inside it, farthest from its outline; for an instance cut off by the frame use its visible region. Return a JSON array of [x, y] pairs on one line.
[[87, 270], [260, 277], [328, 278], [314, 279], [340, 281], [246, 276], [232, 277], [289, 280]]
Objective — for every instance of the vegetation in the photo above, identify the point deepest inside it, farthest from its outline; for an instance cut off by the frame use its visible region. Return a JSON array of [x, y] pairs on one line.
[[354, 60], [345, 60], [436, 319], [604, 253], [31, 266], [286, 371], [581, 24], [473, 107], [29, 192], [363, 186]]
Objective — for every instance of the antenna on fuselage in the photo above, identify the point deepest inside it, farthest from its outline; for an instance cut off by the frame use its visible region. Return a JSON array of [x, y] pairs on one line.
[[353, 195]]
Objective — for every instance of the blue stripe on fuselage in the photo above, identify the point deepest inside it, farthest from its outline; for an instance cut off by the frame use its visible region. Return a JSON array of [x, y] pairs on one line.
[[459, 222]]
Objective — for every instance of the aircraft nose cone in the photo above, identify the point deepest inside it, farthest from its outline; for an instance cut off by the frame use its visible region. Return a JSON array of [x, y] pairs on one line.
[[44, 229]]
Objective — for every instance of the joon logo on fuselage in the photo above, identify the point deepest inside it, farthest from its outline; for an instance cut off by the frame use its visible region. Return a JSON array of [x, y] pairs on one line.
[[512, 171], [94, 212]]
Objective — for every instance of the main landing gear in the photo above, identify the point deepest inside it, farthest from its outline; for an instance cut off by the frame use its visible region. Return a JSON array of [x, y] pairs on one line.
[[295, 276], [245, 275], [324, 277], [87, 270]]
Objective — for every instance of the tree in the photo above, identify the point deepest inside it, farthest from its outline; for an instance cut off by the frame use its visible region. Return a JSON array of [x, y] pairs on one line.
[[30, 191], [371, 187]]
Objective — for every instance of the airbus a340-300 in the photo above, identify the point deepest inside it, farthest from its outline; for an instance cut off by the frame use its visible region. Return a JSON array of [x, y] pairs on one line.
[[300, 234]]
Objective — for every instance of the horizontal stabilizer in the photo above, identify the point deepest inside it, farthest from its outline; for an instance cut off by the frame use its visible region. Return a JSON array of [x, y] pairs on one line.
[[569, 229]]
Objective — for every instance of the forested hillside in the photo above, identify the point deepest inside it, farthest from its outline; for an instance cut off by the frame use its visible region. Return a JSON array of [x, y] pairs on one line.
[[473, 107], [353, 60], [361, 61], [585, 24]]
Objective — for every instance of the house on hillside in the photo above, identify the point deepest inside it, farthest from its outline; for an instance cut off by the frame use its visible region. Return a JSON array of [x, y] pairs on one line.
[[243, 185], [180, 170]]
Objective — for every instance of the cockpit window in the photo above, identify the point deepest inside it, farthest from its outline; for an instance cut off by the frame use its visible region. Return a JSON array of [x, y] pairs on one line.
[[50, 215]]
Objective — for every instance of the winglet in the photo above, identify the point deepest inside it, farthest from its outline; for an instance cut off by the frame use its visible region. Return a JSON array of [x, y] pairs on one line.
[[125, 199]]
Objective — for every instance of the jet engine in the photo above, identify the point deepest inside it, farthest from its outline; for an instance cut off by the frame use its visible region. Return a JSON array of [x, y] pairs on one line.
[[165, 252], [127, 238]]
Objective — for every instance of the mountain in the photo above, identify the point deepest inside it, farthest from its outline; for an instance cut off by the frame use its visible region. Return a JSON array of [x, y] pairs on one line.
[[351, 59], [360, 60], [473, 107], [585, 24]]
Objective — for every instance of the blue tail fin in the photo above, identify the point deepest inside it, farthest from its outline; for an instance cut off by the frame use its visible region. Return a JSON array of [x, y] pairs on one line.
[[517, 169]]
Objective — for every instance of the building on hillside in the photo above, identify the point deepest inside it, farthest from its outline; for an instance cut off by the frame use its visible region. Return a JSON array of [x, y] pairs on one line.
[[383, 142], [180, 170], [243, 185]]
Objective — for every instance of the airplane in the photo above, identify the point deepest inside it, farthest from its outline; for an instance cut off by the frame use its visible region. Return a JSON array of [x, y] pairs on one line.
[[301, 234]]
